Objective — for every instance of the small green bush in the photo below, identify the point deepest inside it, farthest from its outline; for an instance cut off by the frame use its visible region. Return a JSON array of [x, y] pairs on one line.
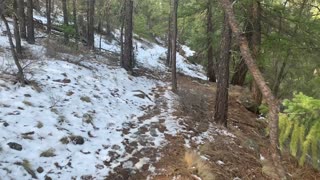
[[299, 128]]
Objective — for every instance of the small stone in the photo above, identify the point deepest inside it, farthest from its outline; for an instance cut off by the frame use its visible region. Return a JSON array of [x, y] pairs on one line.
[[27, 95], [47, 178], [116, 147], [77, 140], [40, 170], [15, 146], [5, 124]]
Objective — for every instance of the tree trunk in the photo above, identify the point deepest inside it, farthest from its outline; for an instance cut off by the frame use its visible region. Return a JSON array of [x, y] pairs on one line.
[[65, 21], [221, 105], [174, 44], [16, 28], [22, 19], [240, 74], [20, 75], [90, 19], [30, 26], [48, 13], [75, 21], [266, 91], [168, 62], [255, 45], [128, 28], [210, 69]]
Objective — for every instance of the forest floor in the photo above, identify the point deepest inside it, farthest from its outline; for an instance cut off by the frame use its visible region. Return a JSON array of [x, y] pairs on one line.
[[83, 117]]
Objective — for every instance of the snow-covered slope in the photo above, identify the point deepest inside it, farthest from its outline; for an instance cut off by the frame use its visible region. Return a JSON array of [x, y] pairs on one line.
[[80, 121]]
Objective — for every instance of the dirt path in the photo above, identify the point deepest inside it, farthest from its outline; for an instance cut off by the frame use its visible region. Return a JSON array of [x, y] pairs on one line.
[[200, 149]]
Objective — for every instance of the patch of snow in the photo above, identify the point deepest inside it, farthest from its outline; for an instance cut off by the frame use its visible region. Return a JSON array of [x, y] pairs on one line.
[[219, 162]]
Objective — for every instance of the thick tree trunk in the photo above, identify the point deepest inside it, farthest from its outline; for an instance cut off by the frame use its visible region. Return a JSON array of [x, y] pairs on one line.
[[90, 18], [174, 44], [22, 19], [20, 75], [128, 28], [266, 91], [210, 68], [48, 14], [16, 28], [65, 20], [221, 104], [30, 26]]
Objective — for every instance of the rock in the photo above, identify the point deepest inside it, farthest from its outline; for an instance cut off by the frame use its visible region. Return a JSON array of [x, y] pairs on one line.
[[40, 170], [27, 95], [47, 178], [116, 147], [5, 124], [77, 140], [15, 146]]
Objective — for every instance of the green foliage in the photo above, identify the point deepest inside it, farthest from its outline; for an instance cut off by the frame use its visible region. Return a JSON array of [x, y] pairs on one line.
[[299, 127], [263, 109], [69, 29]]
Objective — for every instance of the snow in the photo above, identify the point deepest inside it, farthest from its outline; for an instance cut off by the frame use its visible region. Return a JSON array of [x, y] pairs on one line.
[[97, 104]]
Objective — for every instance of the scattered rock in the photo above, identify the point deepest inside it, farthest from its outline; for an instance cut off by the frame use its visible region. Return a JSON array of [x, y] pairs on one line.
[[15, 146], [85, 99], [63, 81], [48, 153], [47, 178], [5, 124], [27, 95], [116, 147], [40, 170], [70, 93], [77, 140]]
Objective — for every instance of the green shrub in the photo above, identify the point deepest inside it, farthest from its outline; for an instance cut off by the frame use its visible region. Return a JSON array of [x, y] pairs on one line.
[[299, 128]]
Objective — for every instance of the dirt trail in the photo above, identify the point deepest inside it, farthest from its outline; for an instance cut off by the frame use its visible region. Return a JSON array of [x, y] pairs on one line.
[[202, 149]]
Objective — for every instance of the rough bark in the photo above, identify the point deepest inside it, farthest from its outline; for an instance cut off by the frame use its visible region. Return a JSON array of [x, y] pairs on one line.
[[48, 14], [65, 20], [22, 19], [30, 25], [174, 45], [221, 103], [128, 44], [210, 68], [90, 18], [20, 75], [16, 28], [266, 91]]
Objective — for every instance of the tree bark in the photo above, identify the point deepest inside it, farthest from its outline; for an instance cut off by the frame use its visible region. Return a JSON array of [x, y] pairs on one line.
[[91, 4], [266, 91], [128, 44], [16, 28], [22, 19], [65, 20], [240, 74], [168, 62], [75, 21], [48, 14], [174, 44], [30, 25], [210, 68], [20, 75], [221, 103]]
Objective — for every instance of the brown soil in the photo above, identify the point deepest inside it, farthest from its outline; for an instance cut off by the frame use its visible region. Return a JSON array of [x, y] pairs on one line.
[[224, 156]]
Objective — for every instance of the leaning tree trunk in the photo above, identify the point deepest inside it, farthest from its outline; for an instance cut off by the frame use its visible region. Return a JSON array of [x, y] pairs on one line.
[[30, 25], [210, 69], [266, 91], [174, 44], [221, 104], [20, 75], [22, 19], [128, 44]]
